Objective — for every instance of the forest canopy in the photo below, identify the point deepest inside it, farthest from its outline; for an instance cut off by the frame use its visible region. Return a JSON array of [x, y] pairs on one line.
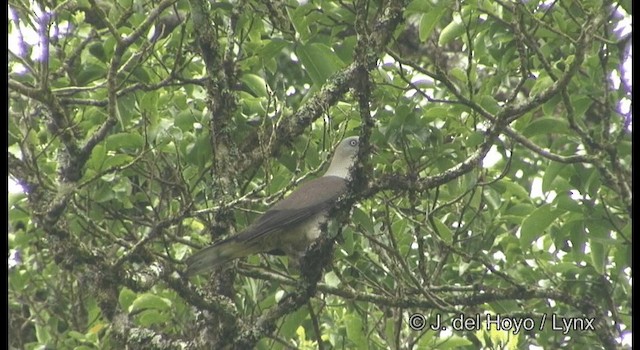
[[489, 207]]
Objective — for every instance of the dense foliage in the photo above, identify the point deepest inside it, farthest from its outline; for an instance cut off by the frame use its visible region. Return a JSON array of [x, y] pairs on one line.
[[494, 181]]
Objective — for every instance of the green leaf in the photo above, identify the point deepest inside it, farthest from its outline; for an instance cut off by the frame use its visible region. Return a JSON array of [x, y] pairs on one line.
[[42, 333], [150, 317], [535, 224], [252, 106], [598, 256], [444, 231], [149, 102], [599, 230], [272, 48], [432, 113], [363, 219], [626, 5], [454, 342], [127, 110], [551, 171], [150, 301], [429, 21], [97, 50], [126, 298], [549, 107], [575, 230], [428, 340], [200, 152], [331, 279], [97, 158], [418, 6], [184, 120], [319, 61], [564, 201], [404, 238], [292, 322], [453, 30], [545, 126], [91, 72], [474, 139], [490, 104], [124, 140], [348, 241], [103, 194], [541, 84], [355, 331], [14, 198], [299, 19], [563, 267], [256, 84], [622, 255], [514, 189], [84, 347], [459, 74], [142, 75], [109, 46], [505, 306], [77, 335], [493, 198], [18, 280], [593, 183], [117, 160]]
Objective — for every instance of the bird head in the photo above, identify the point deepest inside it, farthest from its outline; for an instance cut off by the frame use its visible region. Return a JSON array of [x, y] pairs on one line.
[[344, 157]]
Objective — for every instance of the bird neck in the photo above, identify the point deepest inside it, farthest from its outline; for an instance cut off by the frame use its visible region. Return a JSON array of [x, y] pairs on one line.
[[339, 168]]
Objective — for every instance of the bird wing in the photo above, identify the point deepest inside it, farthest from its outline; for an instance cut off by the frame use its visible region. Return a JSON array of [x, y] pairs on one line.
[[311, 198]]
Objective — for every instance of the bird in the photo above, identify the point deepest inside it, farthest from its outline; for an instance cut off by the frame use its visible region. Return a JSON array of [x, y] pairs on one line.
[[292, 223]]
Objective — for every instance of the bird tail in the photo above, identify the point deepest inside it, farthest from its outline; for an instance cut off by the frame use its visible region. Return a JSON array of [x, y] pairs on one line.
[[217, 254]]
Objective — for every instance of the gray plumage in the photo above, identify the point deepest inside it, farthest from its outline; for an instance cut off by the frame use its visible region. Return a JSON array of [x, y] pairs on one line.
[[291, 224]]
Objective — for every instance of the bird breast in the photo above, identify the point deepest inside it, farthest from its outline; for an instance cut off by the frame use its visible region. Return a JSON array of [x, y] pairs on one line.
[[295, 241]]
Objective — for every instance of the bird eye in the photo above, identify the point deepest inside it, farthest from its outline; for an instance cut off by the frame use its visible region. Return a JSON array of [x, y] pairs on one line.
[[353, 142]]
